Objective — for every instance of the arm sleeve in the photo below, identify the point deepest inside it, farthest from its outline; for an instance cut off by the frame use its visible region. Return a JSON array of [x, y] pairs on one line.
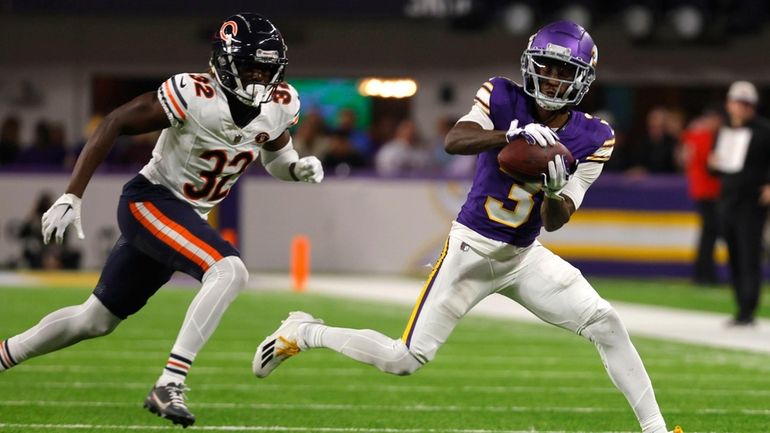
[[578, 184], [173, 99], [591, 167], [280, 163]]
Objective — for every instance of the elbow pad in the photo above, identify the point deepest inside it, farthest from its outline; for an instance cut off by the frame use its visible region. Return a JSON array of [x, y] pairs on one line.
[[280, 164]]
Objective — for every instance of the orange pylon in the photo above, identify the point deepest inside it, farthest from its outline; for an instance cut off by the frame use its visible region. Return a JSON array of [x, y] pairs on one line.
[[300, 262]]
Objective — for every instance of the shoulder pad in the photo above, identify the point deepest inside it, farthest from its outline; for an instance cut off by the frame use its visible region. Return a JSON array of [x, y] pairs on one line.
[[604, 137], [286, 98], [178, 92]]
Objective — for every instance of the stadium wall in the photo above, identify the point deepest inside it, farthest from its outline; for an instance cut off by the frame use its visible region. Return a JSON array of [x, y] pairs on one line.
[[367, 225]]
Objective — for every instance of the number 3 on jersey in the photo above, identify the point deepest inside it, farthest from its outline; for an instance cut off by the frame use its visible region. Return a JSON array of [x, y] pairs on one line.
[[496, 210]]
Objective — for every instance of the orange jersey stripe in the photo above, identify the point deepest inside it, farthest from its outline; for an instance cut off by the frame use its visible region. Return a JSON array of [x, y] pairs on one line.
[[170, 95], [166, 239], [184, 232]]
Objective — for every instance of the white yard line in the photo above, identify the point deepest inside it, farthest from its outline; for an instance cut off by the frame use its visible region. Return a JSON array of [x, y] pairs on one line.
[[760, 412], [444, 372], [275, 428], [410, 389]]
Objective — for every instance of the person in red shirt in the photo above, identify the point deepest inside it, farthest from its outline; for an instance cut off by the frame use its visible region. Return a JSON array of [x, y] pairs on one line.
[[703, 187]]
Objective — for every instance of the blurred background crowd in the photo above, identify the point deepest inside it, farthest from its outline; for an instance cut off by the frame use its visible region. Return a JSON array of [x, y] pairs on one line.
[[388, 146], [380, 82]]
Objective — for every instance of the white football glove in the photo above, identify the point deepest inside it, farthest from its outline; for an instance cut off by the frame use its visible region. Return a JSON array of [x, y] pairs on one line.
[[557, 177], [534, 133], [309, 169], [65, 211]]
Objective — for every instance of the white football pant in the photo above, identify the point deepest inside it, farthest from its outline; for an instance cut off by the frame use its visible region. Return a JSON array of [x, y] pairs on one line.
[[472, 267]]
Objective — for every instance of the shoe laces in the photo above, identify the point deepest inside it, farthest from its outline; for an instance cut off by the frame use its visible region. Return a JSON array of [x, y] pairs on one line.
[[290, 348], [176, 394]]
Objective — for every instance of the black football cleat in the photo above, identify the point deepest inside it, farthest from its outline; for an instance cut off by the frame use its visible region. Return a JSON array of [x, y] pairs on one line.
[[168, 402]]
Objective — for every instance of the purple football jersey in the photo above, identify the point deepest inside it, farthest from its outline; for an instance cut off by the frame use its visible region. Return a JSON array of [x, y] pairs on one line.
[[502, 208]]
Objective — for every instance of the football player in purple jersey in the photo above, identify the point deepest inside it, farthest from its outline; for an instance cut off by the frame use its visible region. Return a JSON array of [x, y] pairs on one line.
[[492, 245]]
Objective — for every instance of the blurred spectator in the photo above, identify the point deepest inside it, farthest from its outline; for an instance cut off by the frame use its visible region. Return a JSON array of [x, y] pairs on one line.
[[440, 157], [655, 152], [403, 154], [461, 166], [703, 187], [382, 130], [139, 149], [676, 121], [362, 143], [310, 137], [342, 157], [48, 146], [449, 165], [88, 131], [9, 140], [37, 255], [742, 158]]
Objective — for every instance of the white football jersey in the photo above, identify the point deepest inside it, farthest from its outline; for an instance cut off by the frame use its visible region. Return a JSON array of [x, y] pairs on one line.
[[204, 152]]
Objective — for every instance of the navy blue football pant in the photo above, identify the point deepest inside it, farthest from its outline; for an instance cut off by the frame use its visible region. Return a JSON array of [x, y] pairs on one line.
[[160, 234]]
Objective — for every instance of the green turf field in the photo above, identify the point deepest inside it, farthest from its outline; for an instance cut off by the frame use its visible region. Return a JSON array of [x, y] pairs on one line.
[[492, 376], [677, 294]]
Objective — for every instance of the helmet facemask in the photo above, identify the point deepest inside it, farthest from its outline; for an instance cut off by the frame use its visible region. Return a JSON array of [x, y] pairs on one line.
[[537, 66], [252, 79]]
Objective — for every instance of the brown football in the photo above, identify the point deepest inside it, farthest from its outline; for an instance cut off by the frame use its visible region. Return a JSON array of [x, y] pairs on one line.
[[527, 162]]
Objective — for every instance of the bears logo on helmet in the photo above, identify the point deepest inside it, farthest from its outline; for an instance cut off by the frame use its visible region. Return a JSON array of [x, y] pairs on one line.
[[226, 35]]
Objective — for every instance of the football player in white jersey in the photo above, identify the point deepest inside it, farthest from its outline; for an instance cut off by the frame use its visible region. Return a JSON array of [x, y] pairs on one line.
[[214, 124]]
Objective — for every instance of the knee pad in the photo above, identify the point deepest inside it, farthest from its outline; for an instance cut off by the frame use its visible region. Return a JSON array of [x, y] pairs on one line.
[[230, 269], [94, 319], [606, 329], [403, 363]]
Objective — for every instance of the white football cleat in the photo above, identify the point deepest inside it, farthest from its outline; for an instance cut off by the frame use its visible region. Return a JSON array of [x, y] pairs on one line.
[[281, 344]]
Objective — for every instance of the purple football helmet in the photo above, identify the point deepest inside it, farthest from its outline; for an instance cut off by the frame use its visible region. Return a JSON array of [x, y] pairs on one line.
[[563, 55]]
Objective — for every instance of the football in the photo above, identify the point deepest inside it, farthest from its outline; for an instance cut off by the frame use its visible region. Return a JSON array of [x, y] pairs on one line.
[[527, 162]]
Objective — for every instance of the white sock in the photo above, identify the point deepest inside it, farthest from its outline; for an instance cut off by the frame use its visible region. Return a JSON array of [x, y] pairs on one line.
[[221, 284], [7, 360], [59, 329], [364, 345], [177, 366], [626, 370]]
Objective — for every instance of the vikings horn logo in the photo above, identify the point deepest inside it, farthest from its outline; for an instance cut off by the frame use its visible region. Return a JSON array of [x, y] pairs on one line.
[[226, 35], [262, 137]]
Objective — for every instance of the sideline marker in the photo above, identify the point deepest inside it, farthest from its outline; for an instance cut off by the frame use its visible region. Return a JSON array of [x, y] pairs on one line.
[[299, 266]]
